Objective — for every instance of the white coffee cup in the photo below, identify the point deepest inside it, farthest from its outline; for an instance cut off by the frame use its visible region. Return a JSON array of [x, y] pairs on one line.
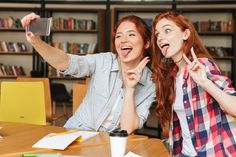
[[118, 141]]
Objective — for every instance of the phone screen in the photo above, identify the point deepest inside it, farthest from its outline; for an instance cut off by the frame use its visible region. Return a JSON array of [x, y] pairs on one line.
[[40, 26]]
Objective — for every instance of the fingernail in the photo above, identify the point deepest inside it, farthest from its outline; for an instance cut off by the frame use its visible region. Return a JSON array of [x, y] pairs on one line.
[[29, 34]]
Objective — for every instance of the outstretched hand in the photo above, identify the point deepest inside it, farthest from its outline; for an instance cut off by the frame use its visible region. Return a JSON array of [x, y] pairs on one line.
[[25, 21], [132, 76], [196, 69]]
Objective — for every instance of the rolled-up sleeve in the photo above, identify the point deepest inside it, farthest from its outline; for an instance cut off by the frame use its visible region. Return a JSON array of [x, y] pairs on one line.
[[143, 108], [214, 74], [80, 66]]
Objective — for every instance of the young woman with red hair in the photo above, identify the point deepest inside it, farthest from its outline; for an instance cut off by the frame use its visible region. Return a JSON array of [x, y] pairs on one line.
[[120, 91], [193, 96]]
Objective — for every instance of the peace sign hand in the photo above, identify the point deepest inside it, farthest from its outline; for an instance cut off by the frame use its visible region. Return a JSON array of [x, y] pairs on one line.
[[196, 69], [132, 76]]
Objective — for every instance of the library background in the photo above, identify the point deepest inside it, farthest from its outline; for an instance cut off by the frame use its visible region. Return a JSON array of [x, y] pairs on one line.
[[84, 27]]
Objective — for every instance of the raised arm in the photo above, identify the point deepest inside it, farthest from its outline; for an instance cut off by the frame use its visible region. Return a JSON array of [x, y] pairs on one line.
[[55, 57], [129, 118], [197, 71]]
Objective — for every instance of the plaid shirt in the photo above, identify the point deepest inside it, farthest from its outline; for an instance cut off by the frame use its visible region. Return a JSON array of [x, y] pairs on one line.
[[213, 132]]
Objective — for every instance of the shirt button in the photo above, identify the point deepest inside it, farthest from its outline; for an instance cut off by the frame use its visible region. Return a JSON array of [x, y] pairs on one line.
[[196, 148], [192, 133], [188, 117], [184, 88], [185, 101]]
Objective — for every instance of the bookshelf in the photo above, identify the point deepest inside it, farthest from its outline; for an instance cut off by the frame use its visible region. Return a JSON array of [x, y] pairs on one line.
[[76, 31], [216, 28], [105, 14], [219, 34], [16, 53]]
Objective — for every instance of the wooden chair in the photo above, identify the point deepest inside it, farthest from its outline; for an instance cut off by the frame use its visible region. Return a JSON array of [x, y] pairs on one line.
[[23, 102], [79, 91]]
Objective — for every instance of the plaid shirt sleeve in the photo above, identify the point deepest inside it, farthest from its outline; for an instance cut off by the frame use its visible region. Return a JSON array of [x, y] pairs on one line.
[[214, 74]]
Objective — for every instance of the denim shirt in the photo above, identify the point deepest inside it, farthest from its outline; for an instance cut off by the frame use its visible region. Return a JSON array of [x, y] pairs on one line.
[[103, 90]]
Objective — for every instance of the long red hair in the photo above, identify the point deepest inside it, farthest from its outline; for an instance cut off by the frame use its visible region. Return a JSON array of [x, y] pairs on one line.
[[163, 73]]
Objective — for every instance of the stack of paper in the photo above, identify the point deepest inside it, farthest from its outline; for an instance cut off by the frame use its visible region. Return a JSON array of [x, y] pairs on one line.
[[62, 140]]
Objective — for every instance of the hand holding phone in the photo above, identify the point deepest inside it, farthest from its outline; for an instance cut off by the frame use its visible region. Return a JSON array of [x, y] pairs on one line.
[[40, 26]]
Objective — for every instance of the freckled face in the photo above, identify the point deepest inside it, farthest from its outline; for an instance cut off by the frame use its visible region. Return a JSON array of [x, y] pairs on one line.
[[129, 43], [170, 38]]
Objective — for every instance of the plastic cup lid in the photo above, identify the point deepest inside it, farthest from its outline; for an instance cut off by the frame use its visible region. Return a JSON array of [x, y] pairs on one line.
[[119, 133]]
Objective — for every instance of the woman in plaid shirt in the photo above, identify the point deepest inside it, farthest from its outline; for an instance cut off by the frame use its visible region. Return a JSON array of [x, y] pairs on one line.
[[193, 96]]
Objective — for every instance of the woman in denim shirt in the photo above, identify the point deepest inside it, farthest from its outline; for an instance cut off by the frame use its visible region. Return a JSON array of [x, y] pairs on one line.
[[192, 94], [121, 90]]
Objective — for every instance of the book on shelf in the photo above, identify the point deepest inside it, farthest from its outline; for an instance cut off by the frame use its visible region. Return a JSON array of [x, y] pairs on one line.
[[9, 46], [10, 22], [76, 48], [219, 51], [11, 70], [214, 26], [73, 24]]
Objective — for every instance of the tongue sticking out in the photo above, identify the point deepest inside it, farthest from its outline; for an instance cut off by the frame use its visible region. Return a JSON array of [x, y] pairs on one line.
[[125, 52], [164, 50]]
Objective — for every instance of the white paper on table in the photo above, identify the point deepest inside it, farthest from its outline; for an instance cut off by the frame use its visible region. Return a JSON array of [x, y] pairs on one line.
[[62, 140], [56, 155], [131, 154]]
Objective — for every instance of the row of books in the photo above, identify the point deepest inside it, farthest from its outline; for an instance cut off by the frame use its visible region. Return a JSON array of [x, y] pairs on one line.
[[219, 51], [11, 70], [10, 22], [8, 46], [76, 48], [214, 26], [73, 24]]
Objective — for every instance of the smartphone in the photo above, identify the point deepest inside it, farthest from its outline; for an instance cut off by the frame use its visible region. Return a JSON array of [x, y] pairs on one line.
[[40, 26]]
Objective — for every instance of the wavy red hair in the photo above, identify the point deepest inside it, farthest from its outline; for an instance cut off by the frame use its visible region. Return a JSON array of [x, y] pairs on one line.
[[163, 73]]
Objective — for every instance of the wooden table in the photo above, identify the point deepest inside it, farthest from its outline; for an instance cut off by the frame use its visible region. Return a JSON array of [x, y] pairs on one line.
[[19, 138], [145, 148]]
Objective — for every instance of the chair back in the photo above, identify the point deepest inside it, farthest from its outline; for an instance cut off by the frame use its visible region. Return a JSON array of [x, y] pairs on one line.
[[23, 102], [79, 92], [46, 83]]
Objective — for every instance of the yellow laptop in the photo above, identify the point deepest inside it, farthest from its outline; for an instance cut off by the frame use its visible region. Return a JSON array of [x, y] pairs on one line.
[[23, 102]]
